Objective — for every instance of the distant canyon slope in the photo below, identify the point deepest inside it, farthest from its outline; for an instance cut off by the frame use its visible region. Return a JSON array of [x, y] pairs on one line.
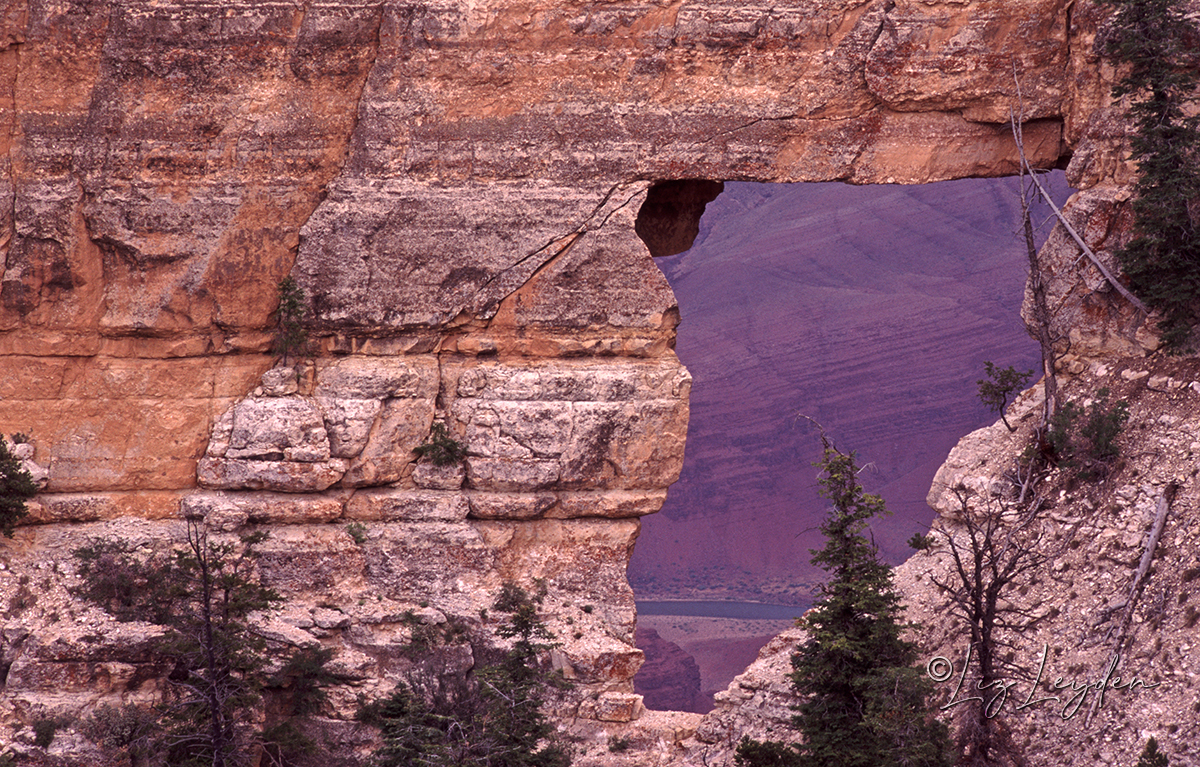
[[870, 309], [471, 194]]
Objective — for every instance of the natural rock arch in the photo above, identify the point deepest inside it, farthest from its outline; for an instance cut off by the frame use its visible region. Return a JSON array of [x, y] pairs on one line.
[[457, 186]]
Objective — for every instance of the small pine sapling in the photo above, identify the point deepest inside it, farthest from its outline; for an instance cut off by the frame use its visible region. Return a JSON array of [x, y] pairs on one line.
[[1151, 756], [1000, 386], [920, 542]]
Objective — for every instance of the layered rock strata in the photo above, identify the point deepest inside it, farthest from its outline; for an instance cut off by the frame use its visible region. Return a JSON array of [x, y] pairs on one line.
[[457, 187]]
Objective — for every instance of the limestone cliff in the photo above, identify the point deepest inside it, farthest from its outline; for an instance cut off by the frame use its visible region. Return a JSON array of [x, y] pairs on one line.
[[471, 194]]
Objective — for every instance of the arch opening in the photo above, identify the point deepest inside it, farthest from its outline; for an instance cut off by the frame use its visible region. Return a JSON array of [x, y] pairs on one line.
[[871, 309]]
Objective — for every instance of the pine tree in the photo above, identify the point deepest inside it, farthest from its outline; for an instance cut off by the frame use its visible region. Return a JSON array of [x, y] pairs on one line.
[[863, 702], [515, 688], [291, 337], [16, 487], [203, 595], [1160, 47]]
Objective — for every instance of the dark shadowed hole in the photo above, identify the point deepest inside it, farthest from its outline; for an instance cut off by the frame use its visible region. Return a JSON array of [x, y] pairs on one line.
[[669, 219], [871, 309]]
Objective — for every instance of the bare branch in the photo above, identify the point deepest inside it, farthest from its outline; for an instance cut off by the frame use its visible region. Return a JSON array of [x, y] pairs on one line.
[[1018, 136]]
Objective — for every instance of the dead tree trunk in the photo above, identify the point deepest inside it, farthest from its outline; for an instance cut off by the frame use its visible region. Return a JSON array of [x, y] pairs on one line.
[[1037, 288]]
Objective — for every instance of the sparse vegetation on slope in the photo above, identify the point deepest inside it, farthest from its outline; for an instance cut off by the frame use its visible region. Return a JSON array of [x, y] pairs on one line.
[[493, 719]]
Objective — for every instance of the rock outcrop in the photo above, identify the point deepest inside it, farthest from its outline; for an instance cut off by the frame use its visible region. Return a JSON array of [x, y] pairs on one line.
[[457, 186]]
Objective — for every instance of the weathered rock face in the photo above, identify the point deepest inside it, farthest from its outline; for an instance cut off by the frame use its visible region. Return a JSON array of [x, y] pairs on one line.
[[457, 186], [440, 178]]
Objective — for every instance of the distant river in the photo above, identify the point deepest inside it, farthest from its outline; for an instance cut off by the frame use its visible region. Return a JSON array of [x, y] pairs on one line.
[[739, 610]]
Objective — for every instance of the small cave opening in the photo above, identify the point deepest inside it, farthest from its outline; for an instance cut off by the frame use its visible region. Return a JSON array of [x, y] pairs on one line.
[[669, 219], [869, 308]]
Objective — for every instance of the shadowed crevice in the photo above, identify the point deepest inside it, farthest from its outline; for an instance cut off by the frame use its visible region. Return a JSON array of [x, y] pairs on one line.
[[670, 217]]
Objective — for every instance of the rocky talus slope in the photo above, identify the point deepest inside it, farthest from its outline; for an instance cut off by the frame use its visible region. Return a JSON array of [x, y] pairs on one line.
[[471, 194]]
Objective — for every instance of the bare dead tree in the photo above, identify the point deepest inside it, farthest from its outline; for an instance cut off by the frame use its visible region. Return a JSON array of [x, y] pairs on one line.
[[1041, 311], [1037, 288], [995, 544]]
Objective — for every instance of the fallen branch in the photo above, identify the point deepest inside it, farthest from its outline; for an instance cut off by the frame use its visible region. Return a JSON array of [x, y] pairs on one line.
[[1160, 521], [1088, 251]]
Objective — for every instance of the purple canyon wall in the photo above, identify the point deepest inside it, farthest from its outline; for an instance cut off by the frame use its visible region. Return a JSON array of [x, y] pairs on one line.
[[470, 193]]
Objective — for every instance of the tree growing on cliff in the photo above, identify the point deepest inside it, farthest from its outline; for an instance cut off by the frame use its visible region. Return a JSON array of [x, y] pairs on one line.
[[863, 701], [291, 336], [16, 487], [203, 595], [492, 720], [1159, 48], [1000, 386], [993, 546]]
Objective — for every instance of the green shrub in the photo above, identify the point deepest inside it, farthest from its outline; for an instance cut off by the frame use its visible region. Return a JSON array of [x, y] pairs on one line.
[[23, 598], [357, 531], [121, 728], [1085, 438], [617, 745], [126, 586], [769, 753], [296, 691], [43, 732], [425, 638], [494, 717], [441, 449], [303, 679]]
